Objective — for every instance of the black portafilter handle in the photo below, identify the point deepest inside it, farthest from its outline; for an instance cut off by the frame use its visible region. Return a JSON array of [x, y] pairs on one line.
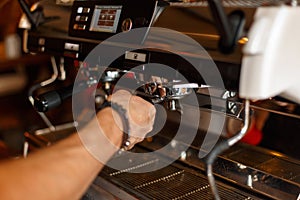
[[53, 99]]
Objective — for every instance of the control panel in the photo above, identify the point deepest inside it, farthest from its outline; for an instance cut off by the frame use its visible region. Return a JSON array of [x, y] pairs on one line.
[[100, 19]]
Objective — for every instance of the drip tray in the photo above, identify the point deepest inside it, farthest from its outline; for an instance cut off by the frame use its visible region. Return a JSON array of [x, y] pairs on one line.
[[171, 182]]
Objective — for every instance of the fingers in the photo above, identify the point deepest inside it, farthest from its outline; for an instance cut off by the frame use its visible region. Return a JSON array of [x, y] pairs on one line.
[[141, 114], [141, 111], [122, 96], [132, 141]]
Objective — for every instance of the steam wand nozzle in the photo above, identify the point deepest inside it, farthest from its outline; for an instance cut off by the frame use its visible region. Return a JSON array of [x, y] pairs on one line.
[[224, 145]]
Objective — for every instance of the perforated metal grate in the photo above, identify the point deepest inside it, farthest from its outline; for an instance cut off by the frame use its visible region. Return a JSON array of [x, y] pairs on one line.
[[172, 183]]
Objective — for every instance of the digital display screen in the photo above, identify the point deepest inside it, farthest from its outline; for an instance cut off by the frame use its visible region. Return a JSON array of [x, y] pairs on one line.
[[105, 18]]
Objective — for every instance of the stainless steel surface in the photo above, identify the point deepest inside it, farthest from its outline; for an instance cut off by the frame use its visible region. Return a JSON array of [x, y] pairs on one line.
[[172, 182], [243, 172]]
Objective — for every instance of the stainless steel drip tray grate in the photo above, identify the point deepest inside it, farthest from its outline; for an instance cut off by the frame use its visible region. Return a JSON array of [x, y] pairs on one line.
[[171, 182]]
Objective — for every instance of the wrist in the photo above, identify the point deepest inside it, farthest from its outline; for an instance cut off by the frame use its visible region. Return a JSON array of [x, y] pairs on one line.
[[111, 124], [102, 136], [121, 116]]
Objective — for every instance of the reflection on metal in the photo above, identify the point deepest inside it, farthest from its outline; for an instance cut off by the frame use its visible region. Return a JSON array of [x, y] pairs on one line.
[[182, 182], [243, 40], [126, 25]]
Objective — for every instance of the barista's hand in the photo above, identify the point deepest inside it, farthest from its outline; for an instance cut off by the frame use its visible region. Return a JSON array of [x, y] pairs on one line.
[[141, 115]]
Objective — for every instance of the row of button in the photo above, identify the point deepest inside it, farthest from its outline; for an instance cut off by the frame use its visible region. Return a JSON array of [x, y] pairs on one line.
[[83, 10], [79, 26], [80, 18]]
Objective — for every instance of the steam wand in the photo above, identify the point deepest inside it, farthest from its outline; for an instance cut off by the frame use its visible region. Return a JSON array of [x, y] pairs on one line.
[[224, 145], [35, 17], [229, 27]]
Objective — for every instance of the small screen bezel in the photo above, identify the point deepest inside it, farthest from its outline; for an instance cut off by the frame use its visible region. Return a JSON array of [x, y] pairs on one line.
[[108, 25]]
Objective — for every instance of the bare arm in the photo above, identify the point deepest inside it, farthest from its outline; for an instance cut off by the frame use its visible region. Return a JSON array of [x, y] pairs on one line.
[[62, 171]]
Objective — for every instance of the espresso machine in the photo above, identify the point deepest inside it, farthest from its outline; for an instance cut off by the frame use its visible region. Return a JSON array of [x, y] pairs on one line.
[[205, 65]]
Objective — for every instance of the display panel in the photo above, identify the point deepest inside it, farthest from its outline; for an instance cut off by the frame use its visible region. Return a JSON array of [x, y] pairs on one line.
[[105, 18]]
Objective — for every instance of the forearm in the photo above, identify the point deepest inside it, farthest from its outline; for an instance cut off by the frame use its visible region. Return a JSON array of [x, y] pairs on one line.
[[62, 171]]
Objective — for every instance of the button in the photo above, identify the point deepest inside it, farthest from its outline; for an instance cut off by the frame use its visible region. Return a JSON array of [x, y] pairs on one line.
[[126, 24], [79, 27], [79, 9], [42, 49], [41, 41], [81, 18], [71, 54], [135, 56], [86, 10], [71, 46]]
